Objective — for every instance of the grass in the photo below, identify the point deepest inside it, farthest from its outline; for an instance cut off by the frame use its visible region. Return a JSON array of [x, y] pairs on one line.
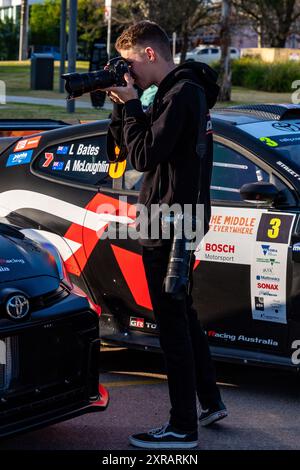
[[27, 111], [16, 76]]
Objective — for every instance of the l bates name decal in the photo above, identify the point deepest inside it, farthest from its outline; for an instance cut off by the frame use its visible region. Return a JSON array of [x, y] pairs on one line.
[[84, 150]]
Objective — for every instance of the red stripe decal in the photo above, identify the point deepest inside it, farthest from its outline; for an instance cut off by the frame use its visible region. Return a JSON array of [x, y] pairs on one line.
[[131, 265]]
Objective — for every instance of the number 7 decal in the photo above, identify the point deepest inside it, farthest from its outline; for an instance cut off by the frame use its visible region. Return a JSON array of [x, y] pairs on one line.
[[49, 158]]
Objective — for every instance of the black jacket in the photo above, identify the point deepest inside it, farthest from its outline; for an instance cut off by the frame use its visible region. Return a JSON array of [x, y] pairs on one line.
[[165, 142]]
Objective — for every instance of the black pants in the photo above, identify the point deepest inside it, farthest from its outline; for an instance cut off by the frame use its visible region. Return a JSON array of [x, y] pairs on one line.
[[189, 366]]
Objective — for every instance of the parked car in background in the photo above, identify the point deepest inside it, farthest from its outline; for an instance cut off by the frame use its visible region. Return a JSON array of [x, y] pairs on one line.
[[206, 54]]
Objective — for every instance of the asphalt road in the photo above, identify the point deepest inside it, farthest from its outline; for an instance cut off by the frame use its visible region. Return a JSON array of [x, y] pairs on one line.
[[264, 407]]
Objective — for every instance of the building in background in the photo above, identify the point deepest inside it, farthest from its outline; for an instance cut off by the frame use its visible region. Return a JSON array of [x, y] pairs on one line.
[[11, 8]]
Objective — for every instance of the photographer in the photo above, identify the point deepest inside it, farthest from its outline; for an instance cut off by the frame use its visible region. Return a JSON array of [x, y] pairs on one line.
[[164, 143]]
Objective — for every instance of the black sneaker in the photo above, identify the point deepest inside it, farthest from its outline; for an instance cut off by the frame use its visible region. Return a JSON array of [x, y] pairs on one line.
[[165, 437], [213, 414]]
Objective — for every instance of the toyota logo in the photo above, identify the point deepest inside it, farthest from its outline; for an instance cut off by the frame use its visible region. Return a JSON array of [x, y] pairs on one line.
[[17, 307]]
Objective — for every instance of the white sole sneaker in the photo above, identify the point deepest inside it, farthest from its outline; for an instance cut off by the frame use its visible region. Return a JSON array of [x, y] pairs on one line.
[[162, 445], [213, 418]]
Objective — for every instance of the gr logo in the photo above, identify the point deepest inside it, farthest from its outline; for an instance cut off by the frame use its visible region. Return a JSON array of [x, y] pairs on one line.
[[2, 352], [296, 353]]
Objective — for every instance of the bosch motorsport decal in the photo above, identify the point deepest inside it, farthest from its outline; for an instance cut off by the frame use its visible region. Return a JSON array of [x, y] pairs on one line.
[[230, 236], [19, 158]]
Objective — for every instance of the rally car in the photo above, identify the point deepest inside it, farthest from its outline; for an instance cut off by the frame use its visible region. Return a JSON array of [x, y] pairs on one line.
[[59, 185], [49, 337]]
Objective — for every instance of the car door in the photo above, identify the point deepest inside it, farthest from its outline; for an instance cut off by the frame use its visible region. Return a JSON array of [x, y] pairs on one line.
[[115, 264], [242, 267]]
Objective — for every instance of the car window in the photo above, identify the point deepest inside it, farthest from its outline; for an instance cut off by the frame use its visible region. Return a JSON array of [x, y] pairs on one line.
[[214, 51], [82, 161], [233, 51], [203, 51], [230, 171]]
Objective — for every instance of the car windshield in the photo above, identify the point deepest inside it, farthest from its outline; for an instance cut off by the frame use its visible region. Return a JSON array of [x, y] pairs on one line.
[[281, 136]]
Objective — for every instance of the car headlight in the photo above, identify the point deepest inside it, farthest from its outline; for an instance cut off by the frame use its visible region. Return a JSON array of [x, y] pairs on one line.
[[55, 258]]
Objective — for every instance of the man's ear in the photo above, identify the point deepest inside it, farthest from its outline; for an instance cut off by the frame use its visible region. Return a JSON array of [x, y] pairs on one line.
[[151, 54]]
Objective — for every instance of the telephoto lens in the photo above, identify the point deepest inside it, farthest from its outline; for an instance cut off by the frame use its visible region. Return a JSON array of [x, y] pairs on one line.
[[79, 83], [176, 282]]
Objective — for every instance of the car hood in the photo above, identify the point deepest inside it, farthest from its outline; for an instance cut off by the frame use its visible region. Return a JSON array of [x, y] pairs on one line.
[[21, 258]]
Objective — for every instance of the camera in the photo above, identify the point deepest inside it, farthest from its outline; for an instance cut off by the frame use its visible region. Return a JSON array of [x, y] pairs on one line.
[[79, 83], [176, 282]]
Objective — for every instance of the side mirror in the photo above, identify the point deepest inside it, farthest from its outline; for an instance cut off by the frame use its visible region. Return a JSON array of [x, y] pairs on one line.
[[260, 192]]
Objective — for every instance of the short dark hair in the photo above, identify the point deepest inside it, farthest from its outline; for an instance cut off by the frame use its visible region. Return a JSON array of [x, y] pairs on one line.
[[145, 33]]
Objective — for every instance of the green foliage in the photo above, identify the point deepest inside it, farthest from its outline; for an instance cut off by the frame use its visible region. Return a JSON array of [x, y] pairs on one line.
[[90, 23], [258, 75], [9, 40], [44, 23]]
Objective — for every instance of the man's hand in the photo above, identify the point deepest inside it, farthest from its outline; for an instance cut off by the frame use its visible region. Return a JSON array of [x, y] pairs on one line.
[[121, 94]]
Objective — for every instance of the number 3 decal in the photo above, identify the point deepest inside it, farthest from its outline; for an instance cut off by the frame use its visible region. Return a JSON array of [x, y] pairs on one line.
[[268, 141], [275, 228], [274, 231]]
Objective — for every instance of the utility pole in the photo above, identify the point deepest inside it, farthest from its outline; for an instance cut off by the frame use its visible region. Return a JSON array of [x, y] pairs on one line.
[[62, 44], [23, 43], [225, 41], [72, 47], [174, 36], [108, 19]]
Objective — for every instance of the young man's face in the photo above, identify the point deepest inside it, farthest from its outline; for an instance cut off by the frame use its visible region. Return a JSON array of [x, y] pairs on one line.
[[141, 68]]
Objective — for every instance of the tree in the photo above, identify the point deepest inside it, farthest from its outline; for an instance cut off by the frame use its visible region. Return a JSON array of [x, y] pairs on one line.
[[90, 23], [184, 17], [273, 20], [9, 39], [44, 23]]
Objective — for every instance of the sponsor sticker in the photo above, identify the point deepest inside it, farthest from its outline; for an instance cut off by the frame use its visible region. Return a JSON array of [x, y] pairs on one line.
[[269, 267], [296, 247], [12, 261], [259, 303], [271, 128], [4, 269], [26, 144], [282, 141], [20, 158]]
